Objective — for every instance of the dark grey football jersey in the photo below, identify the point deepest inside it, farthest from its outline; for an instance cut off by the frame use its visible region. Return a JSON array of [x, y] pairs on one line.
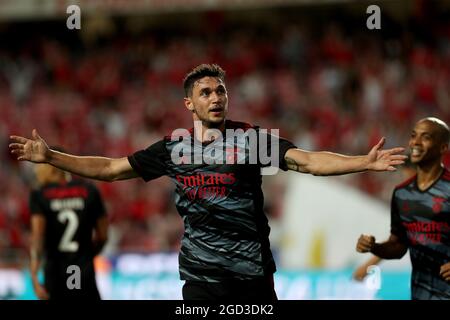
[[422, 221], [226, 230]]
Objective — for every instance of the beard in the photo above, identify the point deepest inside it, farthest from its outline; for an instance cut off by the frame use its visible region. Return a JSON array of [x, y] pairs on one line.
[[210, 121]]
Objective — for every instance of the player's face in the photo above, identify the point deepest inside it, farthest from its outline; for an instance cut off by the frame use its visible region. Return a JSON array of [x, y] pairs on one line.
[[209, 101], [425, 143]]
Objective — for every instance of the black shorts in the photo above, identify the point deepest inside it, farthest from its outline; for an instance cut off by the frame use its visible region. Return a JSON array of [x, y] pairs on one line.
[[258, 289]]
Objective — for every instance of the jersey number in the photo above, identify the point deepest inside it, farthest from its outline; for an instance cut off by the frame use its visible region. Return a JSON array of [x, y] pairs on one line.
[[67, 244]]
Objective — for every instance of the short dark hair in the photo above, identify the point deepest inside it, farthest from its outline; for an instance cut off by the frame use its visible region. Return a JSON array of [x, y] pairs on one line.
[[201, 71], [443, 129]]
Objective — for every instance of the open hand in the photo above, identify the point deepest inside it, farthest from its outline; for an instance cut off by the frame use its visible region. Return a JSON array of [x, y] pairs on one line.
[[34, 149], [385, 160]]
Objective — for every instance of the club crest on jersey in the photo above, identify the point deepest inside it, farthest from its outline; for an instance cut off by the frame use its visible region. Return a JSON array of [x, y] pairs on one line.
[[232, 154], [236, 146], [437, 204]]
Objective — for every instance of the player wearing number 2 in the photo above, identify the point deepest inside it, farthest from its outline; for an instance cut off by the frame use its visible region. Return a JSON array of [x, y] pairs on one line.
[[68, 228]]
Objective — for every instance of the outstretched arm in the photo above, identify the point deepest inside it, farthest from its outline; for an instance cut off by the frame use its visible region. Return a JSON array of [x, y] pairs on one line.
[[327, 163], [99, 168], [393, 248]]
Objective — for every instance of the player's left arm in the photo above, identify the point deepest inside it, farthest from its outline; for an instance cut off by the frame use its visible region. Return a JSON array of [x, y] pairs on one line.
[[38, 226], [445, 271], [326, 163], [100, 234], [362, 271]]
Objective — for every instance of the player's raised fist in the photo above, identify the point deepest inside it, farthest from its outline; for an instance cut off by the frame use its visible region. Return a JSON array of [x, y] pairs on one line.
[[365, 243]]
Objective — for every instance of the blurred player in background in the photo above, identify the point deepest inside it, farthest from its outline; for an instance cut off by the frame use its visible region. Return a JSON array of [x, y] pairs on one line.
[[420, 215], [225, 253], [68, 228]]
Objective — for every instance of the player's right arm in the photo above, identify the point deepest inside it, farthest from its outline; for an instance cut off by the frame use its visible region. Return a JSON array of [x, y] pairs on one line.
[[36, 252], [99, 168], [324, 163], [393, 248]]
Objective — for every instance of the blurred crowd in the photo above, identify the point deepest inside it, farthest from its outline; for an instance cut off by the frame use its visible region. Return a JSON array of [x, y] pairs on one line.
[[324, 85]]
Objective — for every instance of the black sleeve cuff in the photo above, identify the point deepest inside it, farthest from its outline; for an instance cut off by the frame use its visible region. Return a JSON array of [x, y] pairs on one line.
[[136, 167], [284, 147]]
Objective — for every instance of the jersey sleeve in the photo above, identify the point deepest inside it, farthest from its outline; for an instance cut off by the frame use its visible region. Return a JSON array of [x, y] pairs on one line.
[[149, 163], [397, 228], [268, 144], [34, 203]]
